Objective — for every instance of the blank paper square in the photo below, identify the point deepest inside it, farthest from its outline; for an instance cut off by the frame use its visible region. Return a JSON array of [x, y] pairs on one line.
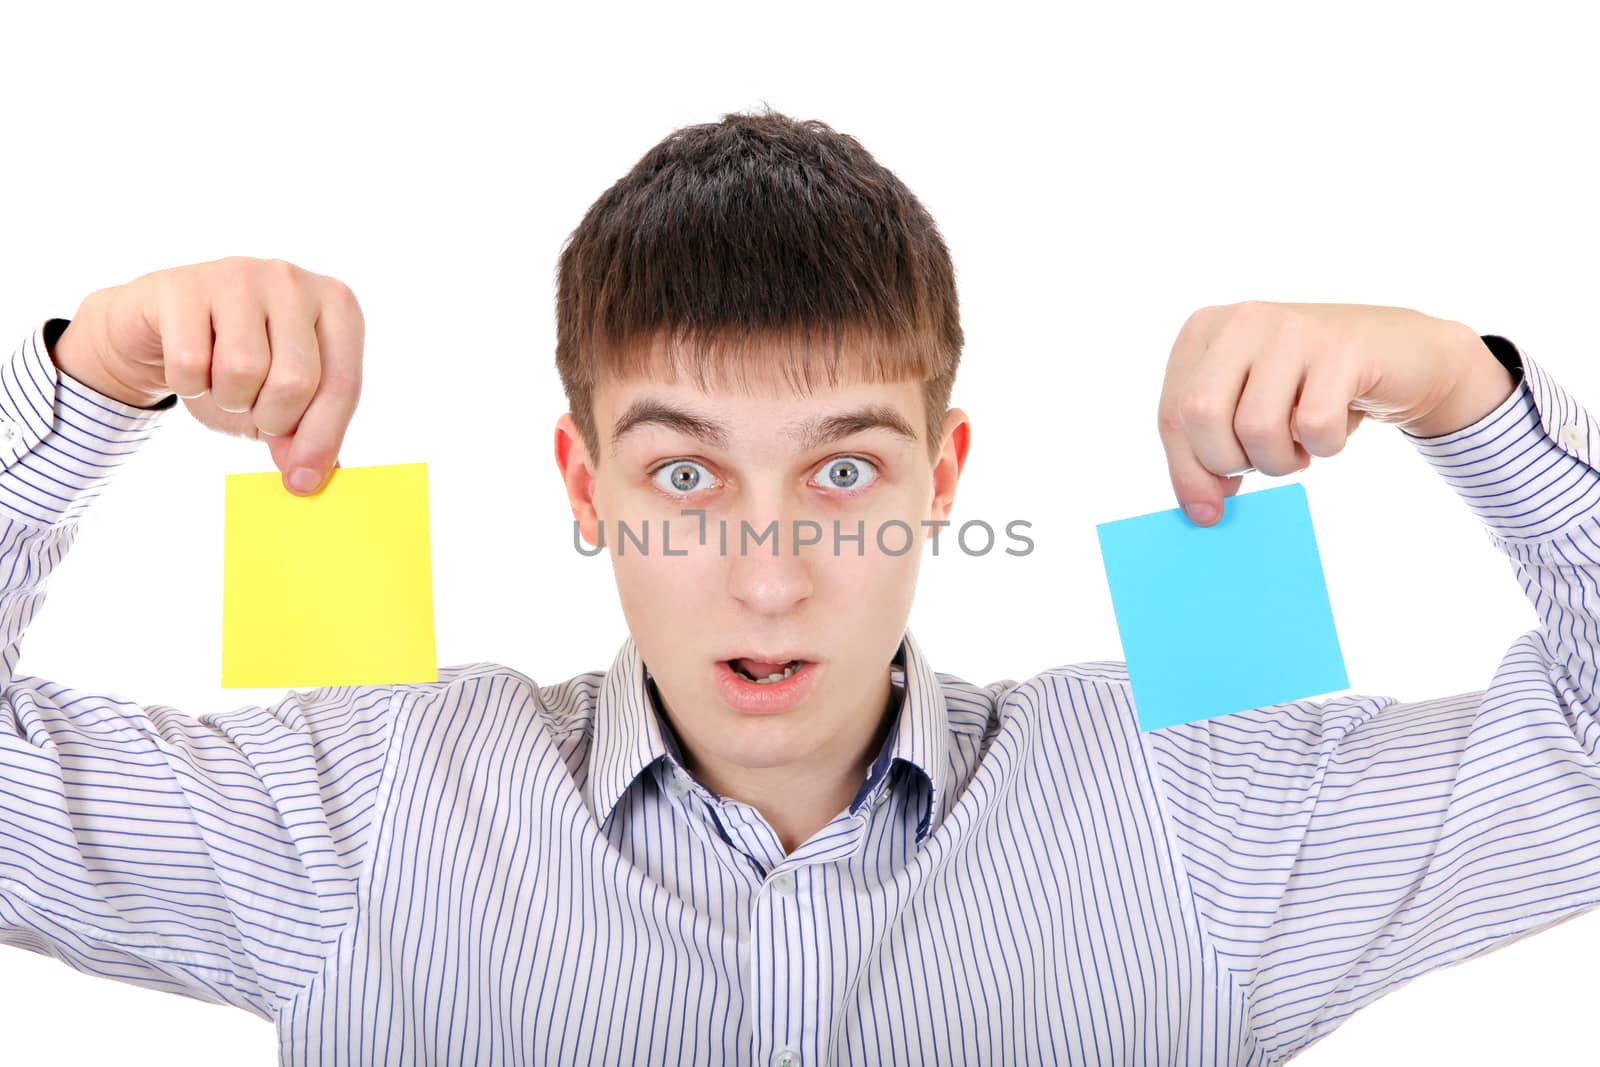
[[1224, 618], [330, 589]]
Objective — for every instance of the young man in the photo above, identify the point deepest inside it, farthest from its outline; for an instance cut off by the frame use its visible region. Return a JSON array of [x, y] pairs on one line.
[[683, 859]]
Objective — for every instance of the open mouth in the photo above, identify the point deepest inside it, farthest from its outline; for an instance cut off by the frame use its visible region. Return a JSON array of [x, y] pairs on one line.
[[765, 686], [744, 669]]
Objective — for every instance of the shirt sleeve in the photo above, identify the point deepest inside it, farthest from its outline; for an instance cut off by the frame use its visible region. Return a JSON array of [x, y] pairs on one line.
[[217, 857], [1336, 850]]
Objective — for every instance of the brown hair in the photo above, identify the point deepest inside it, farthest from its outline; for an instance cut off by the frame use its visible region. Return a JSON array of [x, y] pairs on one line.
[[757, 228]]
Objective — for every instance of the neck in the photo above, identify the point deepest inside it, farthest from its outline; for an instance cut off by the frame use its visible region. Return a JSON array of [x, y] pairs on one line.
[[798, 799]]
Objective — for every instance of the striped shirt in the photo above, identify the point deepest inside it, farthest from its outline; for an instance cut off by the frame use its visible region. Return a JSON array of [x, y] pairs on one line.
[[486, 869]]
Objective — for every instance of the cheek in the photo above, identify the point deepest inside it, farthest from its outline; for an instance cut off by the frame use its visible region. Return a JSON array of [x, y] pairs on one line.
[[657, 592], [876, 579]]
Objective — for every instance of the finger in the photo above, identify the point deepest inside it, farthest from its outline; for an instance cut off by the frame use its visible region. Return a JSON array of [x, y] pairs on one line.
[[1207, 408], [186, 341], [295, 371], [280, 448], [1194, 486], [320, 434], [240, 358], [1323, 420], [1261, 421]]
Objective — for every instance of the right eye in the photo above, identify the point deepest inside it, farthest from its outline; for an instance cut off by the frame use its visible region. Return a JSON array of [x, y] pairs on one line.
[[681, 477]]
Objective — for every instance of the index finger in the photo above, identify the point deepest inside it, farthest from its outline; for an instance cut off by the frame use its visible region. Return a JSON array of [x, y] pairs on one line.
[[1193, 484], [341, 332], [1198, 490]]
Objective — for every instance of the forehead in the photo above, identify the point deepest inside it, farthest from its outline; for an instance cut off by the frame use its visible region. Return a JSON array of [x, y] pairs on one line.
[[755, 402]]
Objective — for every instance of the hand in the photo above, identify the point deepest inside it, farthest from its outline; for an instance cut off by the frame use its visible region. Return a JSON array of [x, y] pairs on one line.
[[1263, 386], [255, 348]]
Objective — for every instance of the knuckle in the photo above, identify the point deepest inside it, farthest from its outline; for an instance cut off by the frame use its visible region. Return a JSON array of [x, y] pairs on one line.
[[1196, 408], [184, 363], [342, 298], [1245, 319], [233, 288], [1290, 331], [235, 271], [1249, 426], [1192, 331], [284, 277], [295, 383], [1200, 316], [240, 363], [1319, 424], [1192, 323]]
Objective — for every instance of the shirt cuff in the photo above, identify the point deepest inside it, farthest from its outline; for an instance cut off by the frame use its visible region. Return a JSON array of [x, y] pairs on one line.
[[1526, 469], [60, 441]]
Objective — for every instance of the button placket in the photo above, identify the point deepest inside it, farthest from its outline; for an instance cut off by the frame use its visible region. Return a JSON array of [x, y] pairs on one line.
[[776, 965]]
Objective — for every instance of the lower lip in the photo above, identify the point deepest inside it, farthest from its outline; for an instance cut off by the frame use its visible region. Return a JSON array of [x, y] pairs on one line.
[[769, 699]]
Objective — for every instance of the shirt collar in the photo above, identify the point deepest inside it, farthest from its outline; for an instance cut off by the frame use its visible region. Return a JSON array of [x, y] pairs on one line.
[[631, 732], [627, 733]]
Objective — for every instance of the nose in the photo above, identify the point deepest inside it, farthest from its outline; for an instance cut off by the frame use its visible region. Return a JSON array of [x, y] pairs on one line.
[[764, 582]]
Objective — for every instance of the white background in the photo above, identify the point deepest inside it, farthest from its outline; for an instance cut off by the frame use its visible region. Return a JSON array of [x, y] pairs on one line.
[[1098, 173]]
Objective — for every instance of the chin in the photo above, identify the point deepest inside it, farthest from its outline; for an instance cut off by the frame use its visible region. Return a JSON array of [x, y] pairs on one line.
[[761, 747]]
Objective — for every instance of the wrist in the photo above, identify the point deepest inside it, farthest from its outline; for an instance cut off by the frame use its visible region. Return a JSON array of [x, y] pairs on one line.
[[77, 355], [1482, 383]]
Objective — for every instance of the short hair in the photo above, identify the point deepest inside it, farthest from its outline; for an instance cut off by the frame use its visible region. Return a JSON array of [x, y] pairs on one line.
[[757, 228]]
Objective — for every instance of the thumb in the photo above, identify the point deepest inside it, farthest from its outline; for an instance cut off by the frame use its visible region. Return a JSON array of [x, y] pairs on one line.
[[1202, 494], [281, 447]]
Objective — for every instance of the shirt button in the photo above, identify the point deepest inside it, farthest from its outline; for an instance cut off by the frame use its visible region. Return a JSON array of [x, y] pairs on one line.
[[783, 884], [786, 1058], [678, 786], [8, 431], [1572, 437]]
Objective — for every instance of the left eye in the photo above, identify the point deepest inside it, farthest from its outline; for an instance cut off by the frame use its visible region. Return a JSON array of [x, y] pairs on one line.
[[848, 472]]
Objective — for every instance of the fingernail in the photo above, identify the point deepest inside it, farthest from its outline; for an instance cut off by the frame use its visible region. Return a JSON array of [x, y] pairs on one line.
[[304, 479], [1200, 514]]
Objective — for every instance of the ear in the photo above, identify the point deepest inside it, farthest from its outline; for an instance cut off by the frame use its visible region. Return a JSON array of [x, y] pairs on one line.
[[572, 460], [957, 438]]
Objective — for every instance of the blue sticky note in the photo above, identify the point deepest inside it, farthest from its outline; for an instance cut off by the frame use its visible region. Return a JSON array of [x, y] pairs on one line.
[[1223, 618]]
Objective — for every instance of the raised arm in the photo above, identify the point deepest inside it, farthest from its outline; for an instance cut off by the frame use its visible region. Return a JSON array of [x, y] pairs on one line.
[[1336, 850], [218, 857]]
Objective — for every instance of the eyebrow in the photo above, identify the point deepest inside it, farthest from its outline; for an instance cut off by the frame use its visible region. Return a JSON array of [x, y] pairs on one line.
[[807, 433]]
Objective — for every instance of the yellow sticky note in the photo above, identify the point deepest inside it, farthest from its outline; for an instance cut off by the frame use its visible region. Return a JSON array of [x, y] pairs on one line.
[[330, 589]]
